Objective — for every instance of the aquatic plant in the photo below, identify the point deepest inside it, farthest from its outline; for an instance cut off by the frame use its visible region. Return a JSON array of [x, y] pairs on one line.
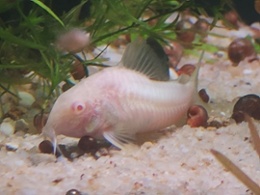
[[29, 30]]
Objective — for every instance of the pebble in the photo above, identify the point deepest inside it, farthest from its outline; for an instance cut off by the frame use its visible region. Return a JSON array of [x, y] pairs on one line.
[[199, 134], [7, 127], [21, 125], [73, 192], [101, 152], [197, 116], [26, 99], [249, 104], [2, 138], [11, 146], [203, 95], [46, 147], [88, 144], [147, 145], [39, 121]]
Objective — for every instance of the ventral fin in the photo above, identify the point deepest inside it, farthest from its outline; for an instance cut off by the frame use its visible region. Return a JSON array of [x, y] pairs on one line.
[[119, 138], [147, 57]]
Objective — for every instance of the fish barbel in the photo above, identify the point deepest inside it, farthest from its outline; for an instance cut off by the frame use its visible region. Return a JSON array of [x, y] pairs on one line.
[[118, 102]]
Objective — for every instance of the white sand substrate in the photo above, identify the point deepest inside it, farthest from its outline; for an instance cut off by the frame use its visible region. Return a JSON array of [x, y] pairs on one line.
[[179, 163]]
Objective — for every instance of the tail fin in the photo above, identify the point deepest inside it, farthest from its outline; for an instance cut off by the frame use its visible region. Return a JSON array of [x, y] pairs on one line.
[[195, 74], [194, 79]]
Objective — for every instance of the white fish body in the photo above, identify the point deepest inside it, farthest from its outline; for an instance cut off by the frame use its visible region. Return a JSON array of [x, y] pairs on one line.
[[118, 102]]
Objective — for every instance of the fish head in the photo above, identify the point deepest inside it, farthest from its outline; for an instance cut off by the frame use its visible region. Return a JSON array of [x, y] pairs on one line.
[[69, 116]]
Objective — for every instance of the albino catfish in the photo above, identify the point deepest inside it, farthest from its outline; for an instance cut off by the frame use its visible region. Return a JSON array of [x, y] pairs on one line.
[[117, 102]]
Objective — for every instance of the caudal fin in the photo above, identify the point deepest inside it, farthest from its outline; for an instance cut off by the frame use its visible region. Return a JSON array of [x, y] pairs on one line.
[[195, 74], [194, 78]]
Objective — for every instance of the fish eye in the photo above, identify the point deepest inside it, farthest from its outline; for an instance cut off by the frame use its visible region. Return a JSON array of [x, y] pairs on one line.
[[78, 107]]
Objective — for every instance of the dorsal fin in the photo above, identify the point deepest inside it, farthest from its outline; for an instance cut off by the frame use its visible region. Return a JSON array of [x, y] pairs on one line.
[[147, 57]]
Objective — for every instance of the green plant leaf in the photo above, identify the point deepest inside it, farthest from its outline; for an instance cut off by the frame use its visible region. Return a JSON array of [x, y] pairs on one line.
[[47, 9], [14, 80], [73, 14], [7, 36], [5, 5], [12, 66]]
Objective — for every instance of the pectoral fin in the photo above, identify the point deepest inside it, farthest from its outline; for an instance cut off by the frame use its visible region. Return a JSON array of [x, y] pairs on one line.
[[147, 57], [119, 138]]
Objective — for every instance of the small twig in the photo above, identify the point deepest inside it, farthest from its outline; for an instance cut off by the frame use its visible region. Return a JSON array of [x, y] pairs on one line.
[[7, 90], [96, 64], [85, 62], [78, 58], [254, 133], [229, 165], [102, 51], [84, 55]]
